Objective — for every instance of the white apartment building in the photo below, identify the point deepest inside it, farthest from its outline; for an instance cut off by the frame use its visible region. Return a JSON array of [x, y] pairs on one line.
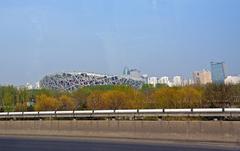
[[164, 80], [232, 80], [177, 81], [153, 81]]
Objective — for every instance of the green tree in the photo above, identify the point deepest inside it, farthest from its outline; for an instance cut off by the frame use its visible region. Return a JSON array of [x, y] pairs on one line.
[[80, 96], [8, 98]]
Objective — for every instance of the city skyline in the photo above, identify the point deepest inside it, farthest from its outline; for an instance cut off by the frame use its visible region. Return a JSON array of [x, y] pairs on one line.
[[159, 37], [74, 80], [139, 74]]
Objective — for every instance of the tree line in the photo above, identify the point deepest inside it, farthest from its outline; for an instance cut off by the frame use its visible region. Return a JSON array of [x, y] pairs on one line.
[[120, 97]]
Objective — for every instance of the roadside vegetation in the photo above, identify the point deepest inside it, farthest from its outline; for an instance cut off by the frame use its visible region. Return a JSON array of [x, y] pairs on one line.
[[120, 97]]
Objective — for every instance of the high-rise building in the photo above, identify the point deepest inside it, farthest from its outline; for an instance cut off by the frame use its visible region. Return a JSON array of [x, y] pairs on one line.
[[202, 77], [126, 71], [218, 72]]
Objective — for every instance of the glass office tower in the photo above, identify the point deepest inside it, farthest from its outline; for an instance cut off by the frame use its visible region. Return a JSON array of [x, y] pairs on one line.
[[218, 72]]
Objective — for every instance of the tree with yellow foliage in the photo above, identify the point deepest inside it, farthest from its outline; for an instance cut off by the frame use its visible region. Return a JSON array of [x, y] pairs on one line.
[[21, 107], [94, 100], [46, 103], [114, 99], [177, 97], [66, 103]]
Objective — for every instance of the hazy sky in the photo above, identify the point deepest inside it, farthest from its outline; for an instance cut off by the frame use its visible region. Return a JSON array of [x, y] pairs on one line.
[[159, 37]]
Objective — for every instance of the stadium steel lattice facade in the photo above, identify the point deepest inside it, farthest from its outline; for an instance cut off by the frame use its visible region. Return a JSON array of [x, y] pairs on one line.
[[72, 81]]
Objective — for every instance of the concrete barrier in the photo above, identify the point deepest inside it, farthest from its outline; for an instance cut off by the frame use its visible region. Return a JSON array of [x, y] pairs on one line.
[[207, 131]]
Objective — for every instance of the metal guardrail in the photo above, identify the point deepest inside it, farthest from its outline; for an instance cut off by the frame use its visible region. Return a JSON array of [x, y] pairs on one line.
[[195, 112]]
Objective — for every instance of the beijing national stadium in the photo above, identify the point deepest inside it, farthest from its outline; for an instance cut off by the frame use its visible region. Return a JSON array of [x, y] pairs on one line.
[[69, 81]]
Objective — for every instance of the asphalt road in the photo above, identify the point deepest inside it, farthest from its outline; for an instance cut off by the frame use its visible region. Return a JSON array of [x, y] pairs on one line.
[[56, 144]]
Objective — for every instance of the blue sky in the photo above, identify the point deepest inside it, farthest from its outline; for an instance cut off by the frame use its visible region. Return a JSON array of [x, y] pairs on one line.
[[159, 37]]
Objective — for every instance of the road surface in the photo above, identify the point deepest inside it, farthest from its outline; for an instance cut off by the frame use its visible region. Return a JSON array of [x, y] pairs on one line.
[[8, 143]]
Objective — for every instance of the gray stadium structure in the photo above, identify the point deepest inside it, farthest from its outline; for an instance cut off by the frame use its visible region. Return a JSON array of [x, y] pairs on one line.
[[73, 80]]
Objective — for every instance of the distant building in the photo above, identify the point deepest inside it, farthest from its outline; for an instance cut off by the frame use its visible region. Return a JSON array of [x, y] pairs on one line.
[[218, 72], [28, 86], [145, 78], [232, 80], [126, 71], [202, 77], [37, 85], [177, 81], [190, 82], [186, 82], [135, 73], [153, 81], [163, 80], [132, 73]]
